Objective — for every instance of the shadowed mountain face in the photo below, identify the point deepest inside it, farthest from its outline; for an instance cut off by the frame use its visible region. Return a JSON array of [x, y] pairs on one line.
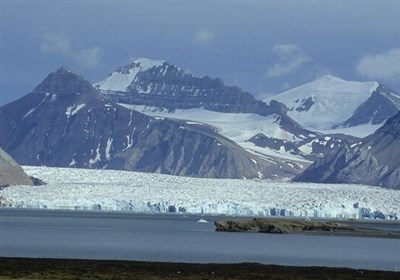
[[375, 160], [65, 122], [11, 173], [383, 104]]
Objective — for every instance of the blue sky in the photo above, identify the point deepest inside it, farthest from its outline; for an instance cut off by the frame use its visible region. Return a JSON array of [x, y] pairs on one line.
[[263, 47]]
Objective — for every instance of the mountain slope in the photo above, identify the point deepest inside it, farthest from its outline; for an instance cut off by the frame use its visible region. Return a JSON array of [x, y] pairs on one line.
[[331, 103], [11, 173], [66, 122], [374, 161]]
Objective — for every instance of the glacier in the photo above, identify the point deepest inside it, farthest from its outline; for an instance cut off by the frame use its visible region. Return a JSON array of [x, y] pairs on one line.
[[112, 190]]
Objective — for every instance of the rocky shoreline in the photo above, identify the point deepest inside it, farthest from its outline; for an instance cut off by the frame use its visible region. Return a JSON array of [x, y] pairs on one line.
[[23, 268], [284, 226]]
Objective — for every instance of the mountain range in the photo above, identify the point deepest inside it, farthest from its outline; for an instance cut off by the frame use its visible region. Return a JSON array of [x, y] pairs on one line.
[[161, 89], [65, 122], [152, 116]]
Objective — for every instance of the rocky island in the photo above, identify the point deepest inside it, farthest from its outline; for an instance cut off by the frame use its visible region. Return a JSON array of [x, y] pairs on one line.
[[280, 226]]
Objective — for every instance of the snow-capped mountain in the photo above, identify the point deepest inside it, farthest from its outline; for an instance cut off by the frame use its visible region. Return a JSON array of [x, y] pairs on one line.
[[330, 103], [66, 122], [375, 160], [161, 84]]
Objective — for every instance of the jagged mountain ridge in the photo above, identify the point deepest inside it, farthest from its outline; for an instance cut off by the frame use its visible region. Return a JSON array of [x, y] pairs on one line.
[[66, 122], [158, 83], [375, 160]]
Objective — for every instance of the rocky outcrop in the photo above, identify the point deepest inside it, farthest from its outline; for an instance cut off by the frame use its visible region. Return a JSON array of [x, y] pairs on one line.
[[375, 160], [65, 122], [313, 147], [275, 225], [282, 226], [11, 173]]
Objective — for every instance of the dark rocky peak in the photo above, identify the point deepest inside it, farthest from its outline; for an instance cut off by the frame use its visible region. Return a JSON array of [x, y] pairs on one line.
[[163, 72], [64, 82], [157, 83], [383, 104], [389, 93], [392, 127]]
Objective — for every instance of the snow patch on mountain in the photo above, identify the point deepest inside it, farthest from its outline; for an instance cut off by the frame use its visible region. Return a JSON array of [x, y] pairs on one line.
[[73, 110], [271, 155], [325, 102], [71, 188], [359, 131], [123, 77], [146, 63]]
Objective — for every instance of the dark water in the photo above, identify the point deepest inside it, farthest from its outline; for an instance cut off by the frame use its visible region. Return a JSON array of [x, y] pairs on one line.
[[173, 238]]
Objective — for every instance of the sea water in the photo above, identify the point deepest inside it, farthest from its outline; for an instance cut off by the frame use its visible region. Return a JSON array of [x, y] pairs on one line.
[[180, 238]]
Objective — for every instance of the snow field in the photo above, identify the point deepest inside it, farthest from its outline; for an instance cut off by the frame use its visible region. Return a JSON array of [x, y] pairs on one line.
[[70, 188], [239, 127]]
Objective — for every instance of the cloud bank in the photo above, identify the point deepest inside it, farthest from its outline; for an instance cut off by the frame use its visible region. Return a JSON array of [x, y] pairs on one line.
[[291, 58], [382, 66], [58, 44]]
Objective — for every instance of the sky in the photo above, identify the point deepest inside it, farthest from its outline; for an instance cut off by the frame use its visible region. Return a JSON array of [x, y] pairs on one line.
[[264, 47]]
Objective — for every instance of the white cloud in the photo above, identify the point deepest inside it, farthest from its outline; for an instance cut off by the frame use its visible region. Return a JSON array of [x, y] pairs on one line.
[[58, 44], [382, 66], [291, 58], [203, 37]]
